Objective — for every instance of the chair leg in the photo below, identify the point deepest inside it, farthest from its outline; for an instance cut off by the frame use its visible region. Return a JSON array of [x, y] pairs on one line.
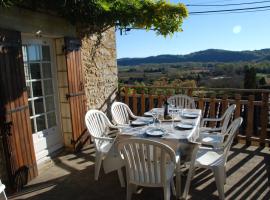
[[130, 189], [191, 172], [121, 177], [4, 194], [167, 191], [172, 185], [219, 179], [98, 161], [178, 185], [225, 175]]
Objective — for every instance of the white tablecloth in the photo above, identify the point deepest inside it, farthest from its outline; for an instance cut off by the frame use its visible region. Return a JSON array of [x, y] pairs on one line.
[[176, 139]]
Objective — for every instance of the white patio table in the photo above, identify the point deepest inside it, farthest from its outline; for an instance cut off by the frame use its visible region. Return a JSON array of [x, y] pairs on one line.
[[178, 139]]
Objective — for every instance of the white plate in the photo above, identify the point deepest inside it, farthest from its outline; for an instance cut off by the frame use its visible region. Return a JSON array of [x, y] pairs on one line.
[[155, 132], [189, 115], [184, 126], [148, 114], [145, 119], [138, 123]]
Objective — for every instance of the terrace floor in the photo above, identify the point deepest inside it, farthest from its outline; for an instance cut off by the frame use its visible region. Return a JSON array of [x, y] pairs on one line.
[[71, 176]]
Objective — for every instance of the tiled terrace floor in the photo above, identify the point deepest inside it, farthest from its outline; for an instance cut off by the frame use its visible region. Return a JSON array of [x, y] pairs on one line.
[[72, 177]]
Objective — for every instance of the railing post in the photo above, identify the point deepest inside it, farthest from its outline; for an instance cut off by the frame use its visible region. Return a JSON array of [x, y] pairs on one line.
[[126, 96], [264, 117], [189, 92], [142, 102], [160, 99], [238, 105], [134, 102], [225, 103], [250, 118], [212, 111], [201, 102], [237, 110], [151, 100]]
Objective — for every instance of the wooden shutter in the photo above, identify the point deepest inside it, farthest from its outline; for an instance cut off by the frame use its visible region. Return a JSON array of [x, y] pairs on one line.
[[76, 95], [15, 122]]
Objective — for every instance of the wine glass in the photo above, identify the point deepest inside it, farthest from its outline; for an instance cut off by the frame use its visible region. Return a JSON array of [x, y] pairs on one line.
[[172, 104], [174, 113], [155, 117]]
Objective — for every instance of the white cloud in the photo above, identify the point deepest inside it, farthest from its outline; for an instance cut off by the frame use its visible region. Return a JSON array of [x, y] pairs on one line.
[[237, 29]]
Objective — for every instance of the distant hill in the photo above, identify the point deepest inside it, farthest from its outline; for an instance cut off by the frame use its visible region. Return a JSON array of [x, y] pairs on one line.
[[210, 55]]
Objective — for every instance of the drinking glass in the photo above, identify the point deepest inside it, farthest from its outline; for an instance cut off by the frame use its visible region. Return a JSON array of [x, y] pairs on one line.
[[174, 114], [180, 111], [155, 116]]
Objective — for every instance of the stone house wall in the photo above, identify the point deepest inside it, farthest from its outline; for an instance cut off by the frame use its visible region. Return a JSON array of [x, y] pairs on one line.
[[100, 69]]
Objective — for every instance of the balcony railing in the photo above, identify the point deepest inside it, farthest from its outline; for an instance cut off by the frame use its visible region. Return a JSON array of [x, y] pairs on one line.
[[251, 104]]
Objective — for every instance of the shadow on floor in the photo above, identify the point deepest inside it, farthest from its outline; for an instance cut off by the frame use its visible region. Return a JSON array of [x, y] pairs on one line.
[[72, 177]]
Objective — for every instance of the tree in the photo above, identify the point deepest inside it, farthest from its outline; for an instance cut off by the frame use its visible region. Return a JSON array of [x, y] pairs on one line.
[[250, 77], [262, 81], [160, 15]]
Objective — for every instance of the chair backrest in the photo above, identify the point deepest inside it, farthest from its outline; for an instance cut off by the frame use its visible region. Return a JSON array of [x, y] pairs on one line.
[[2, 189], [226, 117], [121, 113], [230, 134], [182, 100], [146, 161], [97, 124]]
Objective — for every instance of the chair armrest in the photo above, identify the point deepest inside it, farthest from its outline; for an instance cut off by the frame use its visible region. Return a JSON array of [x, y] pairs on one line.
[[212, 148], [210, 120], [103, 138], [210, 130], [113, 126], [134, 116]]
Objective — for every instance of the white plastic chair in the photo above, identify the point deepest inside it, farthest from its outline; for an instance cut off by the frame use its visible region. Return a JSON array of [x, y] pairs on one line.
[[98, 126], [214, 159], [2, 190], [121, 113], [215, 136], [148, 163], [182, 100]]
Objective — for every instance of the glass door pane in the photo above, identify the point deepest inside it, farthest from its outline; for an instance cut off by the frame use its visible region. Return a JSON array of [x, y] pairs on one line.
[[40, 88]]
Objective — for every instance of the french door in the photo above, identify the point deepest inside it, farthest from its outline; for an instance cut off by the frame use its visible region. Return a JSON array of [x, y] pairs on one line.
[[39, 68]]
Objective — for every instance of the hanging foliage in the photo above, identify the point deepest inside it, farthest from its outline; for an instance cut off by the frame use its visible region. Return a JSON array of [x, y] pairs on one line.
[[160, 15]]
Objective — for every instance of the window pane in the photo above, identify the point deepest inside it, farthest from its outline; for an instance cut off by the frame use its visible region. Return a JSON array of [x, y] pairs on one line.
[[29, 89], [39, 106], [30, 108], [51, 120], [35, 71], [26, 72], [41, 125], [33, 52], [33, 125], [48, 87], [37, 89], [46, 69], [46, 53], [49, 103], [24, 50]]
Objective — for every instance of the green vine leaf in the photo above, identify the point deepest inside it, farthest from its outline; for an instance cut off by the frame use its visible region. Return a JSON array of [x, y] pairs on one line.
[[160, 15]]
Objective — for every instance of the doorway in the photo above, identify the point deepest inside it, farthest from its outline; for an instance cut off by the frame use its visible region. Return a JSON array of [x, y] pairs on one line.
[[40, 76]]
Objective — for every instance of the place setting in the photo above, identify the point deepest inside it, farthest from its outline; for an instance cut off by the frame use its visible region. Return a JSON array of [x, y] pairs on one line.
[[142, 121]]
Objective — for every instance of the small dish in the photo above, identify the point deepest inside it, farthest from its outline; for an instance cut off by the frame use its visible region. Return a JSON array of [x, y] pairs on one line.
[[147, 120], [183, 126], [138, 123], [155, 132], [189, 115], [148, 114]]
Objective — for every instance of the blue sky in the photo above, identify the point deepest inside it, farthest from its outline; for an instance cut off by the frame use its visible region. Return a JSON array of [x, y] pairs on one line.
[[241, 31]]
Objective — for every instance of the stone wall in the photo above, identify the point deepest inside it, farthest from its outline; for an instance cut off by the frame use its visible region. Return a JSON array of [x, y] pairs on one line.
[[100, 69]]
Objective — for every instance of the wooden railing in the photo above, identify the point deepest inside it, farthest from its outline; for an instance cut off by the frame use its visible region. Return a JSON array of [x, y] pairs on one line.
[[252, 105]]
